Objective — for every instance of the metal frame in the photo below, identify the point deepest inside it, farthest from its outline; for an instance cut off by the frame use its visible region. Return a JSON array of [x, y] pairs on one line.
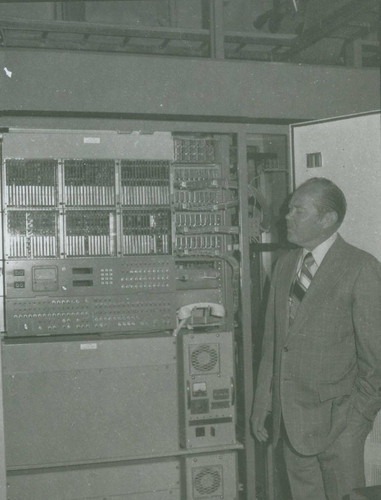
[[350, 22], [240, 131]]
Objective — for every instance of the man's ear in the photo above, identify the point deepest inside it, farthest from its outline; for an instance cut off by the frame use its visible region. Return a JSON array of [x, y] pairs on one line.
[[330, 219]]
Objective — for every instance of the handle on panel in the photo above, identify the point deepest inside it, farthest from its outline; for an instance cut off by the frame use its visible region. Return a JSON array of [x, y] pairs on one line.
[[215, 309], [188, 395], [232, 386]]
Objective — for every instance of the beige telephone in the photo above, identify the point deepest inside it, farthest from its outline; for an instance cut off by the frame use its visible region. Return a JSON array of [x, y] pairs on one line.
[[185, 312]]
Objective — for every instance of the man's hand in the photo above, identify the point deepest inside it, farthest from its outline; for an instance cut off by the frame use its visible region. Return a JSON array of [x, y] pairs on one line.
[[258, 421]]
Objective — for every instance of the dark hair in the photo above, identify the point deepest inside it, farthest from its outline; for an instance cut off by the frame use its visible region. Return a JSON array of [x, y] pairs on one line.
[[331, 197]]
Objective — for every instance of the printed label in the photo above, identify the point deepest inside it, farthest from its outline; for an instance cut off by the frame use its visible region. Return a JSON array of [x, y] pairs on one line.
[[92, 140], [88, 347]]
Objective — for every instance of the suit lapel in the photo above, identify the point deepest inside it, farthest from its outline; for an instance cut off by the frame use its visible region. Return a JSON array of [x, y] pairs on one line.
[[287, 275], [330, 270]]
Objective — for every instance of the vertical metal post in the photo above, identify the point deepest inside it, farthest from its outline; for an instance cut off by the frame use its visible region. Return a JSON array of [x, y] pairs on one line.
[[247, 347], [3, 482], [216, 27], [61, 199], [119, 212], [173, 13]]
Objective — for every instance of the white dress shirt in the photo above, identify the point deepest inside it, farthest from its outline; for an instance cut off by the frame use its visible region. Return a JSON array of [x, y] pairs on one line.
[[318, 254]]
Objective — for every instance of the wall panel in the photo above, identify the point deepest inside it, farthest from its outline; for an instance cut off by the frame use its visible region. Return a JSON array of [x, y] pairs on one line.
[[78, 82]]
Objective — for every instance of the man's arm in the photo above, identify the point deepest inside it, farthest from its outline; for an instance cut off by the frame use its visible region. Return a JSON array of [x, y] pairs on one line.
[[366, 315], [263, 395]]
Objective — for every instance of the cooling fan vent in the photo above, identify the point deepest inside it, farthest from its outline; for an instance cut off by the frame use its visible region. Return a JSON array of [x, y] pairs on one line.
[[204, 358], [207, 480]]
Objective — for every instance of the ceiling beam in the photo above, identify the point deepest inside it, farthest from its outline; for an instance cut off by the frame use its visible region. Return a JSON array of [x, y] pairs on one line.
[[327, 26], [83, 28]]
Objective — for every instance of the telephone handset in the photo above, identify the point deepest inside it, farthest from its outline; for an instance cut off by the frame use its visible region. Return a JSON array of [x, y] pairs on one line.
[[184, 313], [215, 309]]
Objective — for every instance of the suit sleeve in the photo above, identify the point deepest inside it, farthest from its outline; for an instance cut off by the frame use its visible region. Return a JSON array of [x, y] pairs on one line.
[[367, 326], [263, 396]]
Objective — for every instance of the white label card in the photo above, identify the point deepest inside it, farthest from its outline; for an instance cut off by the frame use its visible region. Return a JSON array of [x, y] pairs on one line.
[[92, 140], [88, 347]]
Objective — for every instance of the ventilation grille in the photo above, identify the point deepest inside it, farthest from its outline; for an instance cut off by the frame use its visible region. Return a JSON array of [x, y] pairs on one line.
[[207, 481], [204, 358]]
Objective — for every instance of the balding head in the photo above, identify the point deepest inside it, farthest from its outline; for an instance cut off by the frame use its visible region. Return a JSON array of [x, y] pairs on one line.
[[328, 197]]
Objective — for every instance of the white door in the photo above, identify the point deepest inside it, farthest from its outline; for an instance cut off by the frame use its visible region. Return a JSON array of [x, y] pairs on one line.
[[347, 150]]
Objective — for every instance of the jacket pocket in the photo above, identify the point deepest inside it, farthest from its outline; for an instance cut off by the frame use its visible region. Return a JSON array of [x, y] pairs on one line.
[[335, 389]]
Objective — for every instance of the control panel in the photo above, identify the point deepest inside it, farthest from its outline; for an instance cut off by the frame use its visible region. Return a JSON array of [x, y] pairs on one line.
[[103, 244], [89, 295]]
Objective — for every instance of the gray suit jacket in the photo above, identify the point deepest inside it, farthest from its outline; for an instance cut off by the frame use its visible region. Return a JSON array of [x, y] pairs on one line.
[[329, 360]]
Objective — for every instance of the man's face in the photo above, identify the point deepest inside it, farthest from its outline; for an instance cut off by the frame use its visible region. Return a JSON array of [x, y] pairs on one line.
[[304, 225]]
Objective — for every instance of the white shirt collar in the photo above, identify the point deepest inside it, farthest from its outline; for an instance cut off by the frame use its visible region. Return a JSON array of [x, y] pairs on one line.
[[321, 250]]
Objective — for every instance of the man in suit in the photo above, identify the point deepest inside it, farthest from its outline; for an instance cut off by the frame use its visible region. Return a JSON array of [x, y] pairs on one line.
[[320, 371]]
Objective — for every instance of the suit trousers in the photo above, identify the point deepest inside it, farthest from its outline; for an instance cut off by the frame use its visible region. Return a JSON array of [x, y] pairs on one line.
[[336, 471]]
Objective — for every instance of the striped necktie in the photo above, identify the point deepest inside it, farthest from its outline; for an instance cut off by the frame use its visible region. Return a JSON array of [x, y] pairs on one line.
[[301, 284]]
